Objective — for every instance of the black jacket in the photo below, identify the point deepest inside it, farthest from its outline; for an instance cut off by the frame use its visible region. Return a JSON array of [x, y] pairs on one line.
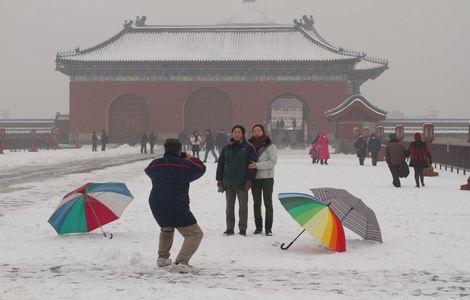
[[374, 145], [221, 140], [361, 147], [232, 167], [209, 142], [169, 199]]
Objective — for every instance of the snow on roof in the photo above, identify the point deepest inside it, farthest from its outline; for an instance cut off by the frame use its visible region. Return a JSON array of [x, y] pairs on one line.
[[440, 131], [164, 44], [421, 122], [350, 101]]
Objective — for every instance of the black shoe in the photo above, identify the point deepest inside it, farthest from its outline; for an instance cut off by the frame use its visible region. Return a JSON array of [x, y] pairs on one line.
[[417, 186], [229, 232], [242, 232], [257, 231], [422, 184], [269, 232]]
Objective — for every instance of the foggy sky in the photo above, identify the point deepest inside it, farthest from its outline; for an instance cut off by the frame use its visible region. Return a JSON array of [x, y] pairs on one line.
[[427, 43]]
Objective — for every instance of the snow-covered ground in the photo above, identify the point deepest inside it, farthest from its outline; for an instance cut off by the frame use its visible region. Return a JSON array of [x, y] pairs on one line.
[[426, 249], [10, 160]]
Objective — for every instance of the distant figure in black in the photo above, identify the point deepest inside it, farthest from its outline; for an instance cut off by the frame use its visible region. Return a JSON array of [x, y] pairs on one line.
[[361, 149]]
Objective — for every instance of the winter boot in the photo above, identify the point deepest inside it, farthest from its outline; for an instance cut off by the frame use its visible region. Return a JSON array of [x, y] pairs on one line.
[[183, 268], [163, 262], [229, 232], [242, 232], [259, 226]]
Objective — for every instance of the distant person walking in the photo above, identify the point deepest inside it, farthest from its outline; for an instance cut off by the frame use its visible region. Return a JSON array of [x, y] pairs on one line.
[[324, 152], [236, 179], [263, 183], [210, 145], [104, 140], [221, 140], [144, 139], [152, 141], [420, 158], [196, 143], [361, 149], [94, 142], [184, 139], [374, 146], [395, 154]]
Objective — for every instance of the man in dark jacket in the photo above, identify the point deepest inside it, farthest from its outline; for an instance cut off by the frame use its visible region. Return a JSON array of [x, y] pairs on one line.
[[143, 143], [104, 140], [395, 155], [374, 148], [361, 149], [152, 141], [210, 145], [221, 140], [235, 178], [169, 202], [94, 142]]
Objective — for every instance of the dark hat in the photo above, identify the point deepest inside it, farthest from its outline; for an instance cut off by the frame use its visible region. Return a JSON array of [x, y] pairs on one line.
[[172, 147]]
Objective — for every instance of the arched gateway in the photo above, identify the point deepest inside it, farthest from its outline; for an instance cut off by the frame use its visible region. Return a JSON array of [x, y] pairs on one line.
[[207, 108], [128, 119]]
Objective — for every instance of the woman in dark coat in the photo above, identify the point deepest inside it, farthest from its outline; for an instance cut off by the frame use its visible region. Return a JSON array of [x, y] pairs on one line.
[[420, 158], [169, 202], [361, 149]]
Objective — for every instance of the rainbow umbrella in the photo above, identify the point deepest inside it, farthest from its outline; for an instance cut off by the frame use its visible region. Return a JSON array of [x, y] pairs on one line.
[[89, 207], [316, 218]]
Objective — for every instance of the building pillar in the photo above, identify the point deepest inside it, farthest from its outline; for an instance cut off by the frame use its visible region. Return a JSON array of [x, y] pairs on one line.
[[381, 136]]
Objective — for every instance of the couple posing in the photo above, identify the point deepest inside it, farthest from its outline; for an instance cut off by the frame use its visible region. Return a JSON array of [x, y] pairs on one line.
[[241, 166], [245, 165]]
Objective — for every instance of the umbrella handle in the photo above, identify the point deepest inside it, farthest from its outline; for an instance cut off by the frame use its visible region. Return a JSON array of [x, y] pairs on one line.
[[290, 244]]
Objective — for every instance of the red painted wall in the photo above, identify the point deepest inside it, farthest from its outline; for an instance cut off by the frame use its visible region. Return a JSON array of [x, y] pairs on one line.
[[90, 101]]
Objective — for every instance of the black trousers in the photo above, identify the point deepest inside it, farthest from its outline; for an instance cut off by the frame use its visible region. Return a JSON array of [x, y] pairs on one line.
[[361, 160], [395, 170], [419, 175], [152, 146], [103, 147], [375, 157], [143, 148], [207, 154]]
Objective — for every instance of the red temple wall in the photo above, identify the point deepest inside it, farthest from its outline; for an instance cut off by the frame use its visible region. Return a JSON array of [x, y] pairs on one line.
[[90, 101]]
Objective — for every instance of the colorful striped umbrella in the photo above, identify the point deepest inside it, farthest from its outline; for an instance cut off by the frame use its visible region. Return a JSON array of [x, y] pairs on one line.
[[90, 206], [317, 218]]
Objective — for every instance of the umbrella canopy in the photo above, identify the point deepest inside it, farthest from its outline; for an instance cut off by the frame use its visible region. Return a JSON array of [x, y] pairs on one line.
[[90, 206], [352, 212], [318, 219]]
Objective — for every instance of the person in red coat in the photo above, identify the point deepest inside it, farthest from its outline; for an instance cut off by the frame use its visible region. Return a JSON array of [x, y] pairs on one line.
[[420, 158], [324, 153]]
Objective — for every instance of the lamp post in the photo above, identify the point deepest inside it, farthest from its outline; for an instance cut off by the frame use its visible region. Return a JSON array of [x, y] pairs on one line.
[[428, 135]]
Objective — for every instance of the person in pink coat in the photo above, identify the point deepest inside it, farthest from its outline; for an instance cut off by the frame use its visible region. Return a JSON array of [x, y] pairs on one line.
[[323, 148]]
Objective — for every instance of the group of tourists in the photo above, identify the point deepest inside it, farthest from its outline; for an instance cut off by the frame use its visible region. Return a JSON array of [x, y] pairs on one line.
[[319, 151], [243, 165], [418, 153], [150, 139], [103, 138], [371, 147]]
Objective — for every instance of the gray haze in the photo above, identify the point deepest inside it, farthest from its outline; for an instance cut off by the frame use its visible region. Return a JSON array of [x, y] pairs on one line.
[[426, 42]]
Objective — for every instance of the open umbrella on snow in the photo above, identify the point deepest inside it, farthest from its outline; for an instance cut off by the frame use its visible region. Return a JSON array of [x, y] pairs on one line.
[[352, 212], [316, 218], [89, 207]]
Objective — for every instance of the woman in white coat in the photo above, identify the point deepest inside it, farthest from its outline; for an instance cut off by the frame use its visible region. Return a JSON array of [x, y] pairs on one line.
[[262, 188]]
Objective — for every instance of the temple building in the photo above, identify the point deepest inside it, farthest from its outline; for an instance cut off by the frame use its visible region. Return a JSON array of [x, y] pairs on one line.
[[244, 69]]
